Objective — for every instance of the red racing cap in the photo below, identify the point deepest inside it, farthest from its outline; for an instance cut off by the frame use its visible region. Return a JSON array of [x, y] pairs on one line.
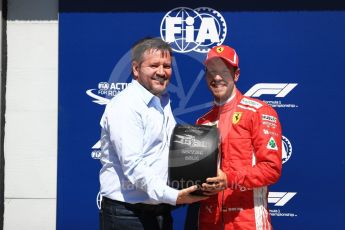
[[225, 52]]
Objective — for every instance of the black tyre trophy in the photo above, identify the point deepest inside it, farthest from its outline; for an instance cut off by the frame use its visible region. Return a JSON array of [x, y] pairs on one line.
[[193, 155]]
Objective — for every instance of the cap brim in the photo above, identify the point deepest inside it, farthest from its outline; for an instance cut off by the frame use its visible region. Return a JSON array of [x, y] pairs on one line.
[[225, 60]]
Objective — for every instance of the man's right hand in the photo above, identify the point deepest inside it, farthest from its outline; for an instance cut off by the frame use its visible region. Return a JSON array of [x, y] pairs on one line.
[[184, 196]]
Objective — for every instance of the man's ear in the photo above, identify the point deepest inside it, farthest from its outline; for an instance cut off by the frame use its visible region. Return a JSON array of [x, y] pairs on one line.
[[237, 74], [135, 69]]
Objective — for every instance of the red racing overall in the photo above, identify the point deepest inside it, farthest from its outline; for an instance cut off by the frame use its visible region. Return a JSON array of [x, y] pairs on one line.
[[251, 149]]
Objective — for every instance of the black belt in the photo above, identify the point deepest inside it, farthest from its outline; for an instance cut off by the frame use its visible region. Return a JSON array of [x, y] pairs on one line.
[[141, 208]]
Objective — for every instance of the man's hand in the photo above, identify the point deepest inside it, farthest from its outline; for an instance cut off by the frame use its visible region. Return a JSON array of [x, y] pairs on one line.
[[215, 184], [184, 196]]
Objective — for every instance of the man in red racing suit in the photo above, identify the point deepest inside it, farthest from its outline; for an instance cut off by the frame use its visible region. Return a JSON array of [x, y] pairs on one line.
[[251, 149]]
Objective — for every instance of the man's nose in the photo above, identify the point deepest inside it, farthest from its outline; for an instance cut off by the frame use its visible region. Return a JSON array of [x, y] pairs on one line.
[[217, 77], [160, 70]]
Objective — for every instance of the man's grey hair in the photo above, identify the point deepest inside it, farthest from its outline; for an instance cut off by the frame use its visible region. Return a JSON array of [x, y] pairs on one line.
[[147, 44]]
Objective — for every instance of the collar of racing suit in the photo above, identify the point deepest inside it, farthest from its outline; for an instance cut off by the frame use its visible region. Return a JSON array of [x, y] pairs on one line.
[[230, 103]]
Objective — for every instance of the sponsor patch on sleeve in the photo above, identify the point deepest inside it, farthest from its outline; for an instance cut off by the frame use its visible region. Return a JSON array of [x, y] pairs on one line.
[[270, 118], [255, 104], [269, 132], [272, 144], [269, 124]]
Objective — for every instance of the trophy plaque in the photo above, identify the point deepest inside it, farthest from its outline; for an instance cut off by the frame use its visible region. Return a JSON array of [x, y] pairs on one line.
[[193, 155]]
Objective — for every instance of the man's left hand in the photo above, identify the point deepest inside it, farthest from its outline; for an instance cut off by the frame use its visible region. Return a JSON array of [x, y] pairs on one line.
[[214, 185]]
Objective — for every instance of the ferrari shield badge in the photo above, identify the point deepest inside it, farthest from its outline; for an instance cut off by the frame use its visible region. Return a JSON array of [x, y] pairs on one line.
[[220, 49], [236, 117]]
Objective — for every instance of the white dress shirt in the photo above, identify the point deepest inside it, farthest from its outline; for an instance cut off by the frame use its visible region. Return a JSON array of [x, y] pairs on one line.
[[136, 131]]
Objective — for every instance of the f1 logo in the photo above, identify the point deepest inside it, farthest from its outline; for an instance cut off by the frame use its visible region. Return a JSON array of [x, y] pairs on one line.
[[278, 89], [280, 198]]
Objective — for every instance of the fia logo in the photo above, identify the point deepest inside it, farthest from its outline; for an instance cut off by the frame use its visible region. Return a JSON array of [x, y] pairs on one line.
[[286, 150], [189, 30]]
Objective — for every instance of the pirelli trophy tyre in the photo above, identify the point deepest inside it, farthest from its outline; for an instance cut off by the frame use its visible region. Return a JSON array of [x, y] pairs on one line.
[[193, 155]]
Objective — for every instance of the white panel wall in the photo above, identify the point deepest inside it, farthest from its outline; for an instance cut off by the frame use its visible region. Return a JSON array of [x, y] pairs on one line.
[[31, 125]]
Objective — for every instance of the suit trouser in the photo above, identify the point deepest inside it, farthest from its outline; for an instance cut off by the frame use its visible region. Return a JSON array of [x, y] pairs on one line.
[[120, 215]]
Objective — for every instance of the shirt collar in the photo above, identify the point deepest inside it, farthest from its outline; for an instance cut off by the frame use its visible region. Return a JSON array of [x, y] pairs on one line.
[[144, 93], [147, 96]]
